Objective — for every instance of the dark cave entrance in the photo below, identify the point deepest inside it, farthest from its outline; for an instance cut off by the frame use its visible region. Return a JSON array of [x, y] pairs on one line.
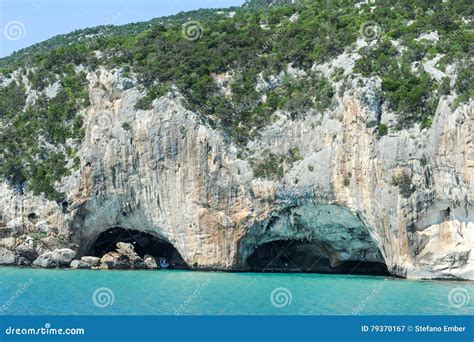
[[145, 244], [289, 256]]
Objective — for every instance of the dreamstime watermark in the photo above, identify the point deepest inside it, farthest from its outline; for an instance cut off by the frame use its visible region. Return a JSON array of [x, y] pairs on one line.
[[278, 32], [112, 203], [46, 330], [103, 120], [192, 30], [281, 297], [103, 297], [370, 298], [21, 289], [101, 212], [191, 208], [14, 30], [192, 297], [444, 44], [370, 30], [459, 297]]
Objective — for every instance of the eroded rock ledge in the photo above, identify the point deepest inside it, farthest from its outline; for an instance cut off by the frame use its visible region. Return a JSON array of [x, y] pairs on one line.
[[403, 200]]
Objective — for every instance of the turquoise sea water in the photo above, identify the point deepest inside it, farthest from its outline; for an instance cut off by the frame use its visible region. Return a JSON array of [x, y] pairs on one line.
[[26, 291]]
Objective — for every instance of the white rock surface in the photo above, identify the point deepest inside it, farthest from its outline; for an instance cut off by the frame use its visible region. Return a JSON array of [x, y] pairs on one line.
[[150, 262], [91, 260], [7, 257], [173, 176], [79, 264], [430, 36], [57, 258]]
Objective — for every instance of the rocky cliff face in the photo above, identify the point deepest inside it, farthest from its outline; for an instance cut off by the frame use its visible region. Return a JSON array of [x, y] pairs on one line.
[[404, 199]]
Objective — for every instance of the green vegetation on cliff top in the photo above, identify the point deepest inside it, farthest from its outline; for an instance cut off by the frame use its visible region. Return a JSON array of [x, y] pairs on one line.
[[251, 50]]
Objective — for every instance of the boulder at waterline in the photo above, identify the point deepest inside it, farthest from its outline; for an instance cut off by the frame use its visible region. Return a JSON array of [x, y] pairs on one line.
[[57, 258], [91, 260], [124, 257], [7, 257], [150, 262], [79, 264]]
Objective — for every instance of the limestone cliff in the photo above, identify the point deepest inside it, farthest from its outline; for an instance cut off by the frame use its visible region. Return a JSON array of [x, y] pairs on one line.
[[404, 199]]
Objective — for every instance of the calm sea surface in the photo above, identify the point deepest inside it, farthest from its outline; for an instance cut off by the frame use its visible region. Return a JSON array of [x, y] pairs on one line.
[[26, 291]]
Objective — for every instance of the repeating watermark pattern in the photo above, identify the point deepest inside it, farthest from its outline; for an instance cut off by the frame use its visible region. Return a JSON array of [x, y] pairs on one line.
[[370, 298], [192, 30], [102, 122], [14, 30], [281, 297], [101, 212], [192, 297], [21, 290], [191, 208], [459, 297], [444, 44], [103, 297], [104, 119], [370, 30]]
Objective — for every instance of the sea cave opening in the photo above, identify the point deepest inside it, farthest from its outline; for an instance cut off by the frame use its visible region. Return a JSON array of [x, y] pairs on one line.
[[288, 256], [144, 243]]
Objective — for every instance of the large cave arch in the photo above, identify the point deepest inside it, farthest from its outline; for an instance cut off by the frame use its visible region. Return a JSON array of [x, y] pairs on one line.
[[307, 256], [144, 243], [313, 238]]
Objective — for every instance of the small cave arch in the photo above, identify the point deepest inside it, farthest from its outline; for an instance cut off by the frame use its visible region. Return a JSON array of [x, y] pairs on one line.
[[303, 256], [144, 243]]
